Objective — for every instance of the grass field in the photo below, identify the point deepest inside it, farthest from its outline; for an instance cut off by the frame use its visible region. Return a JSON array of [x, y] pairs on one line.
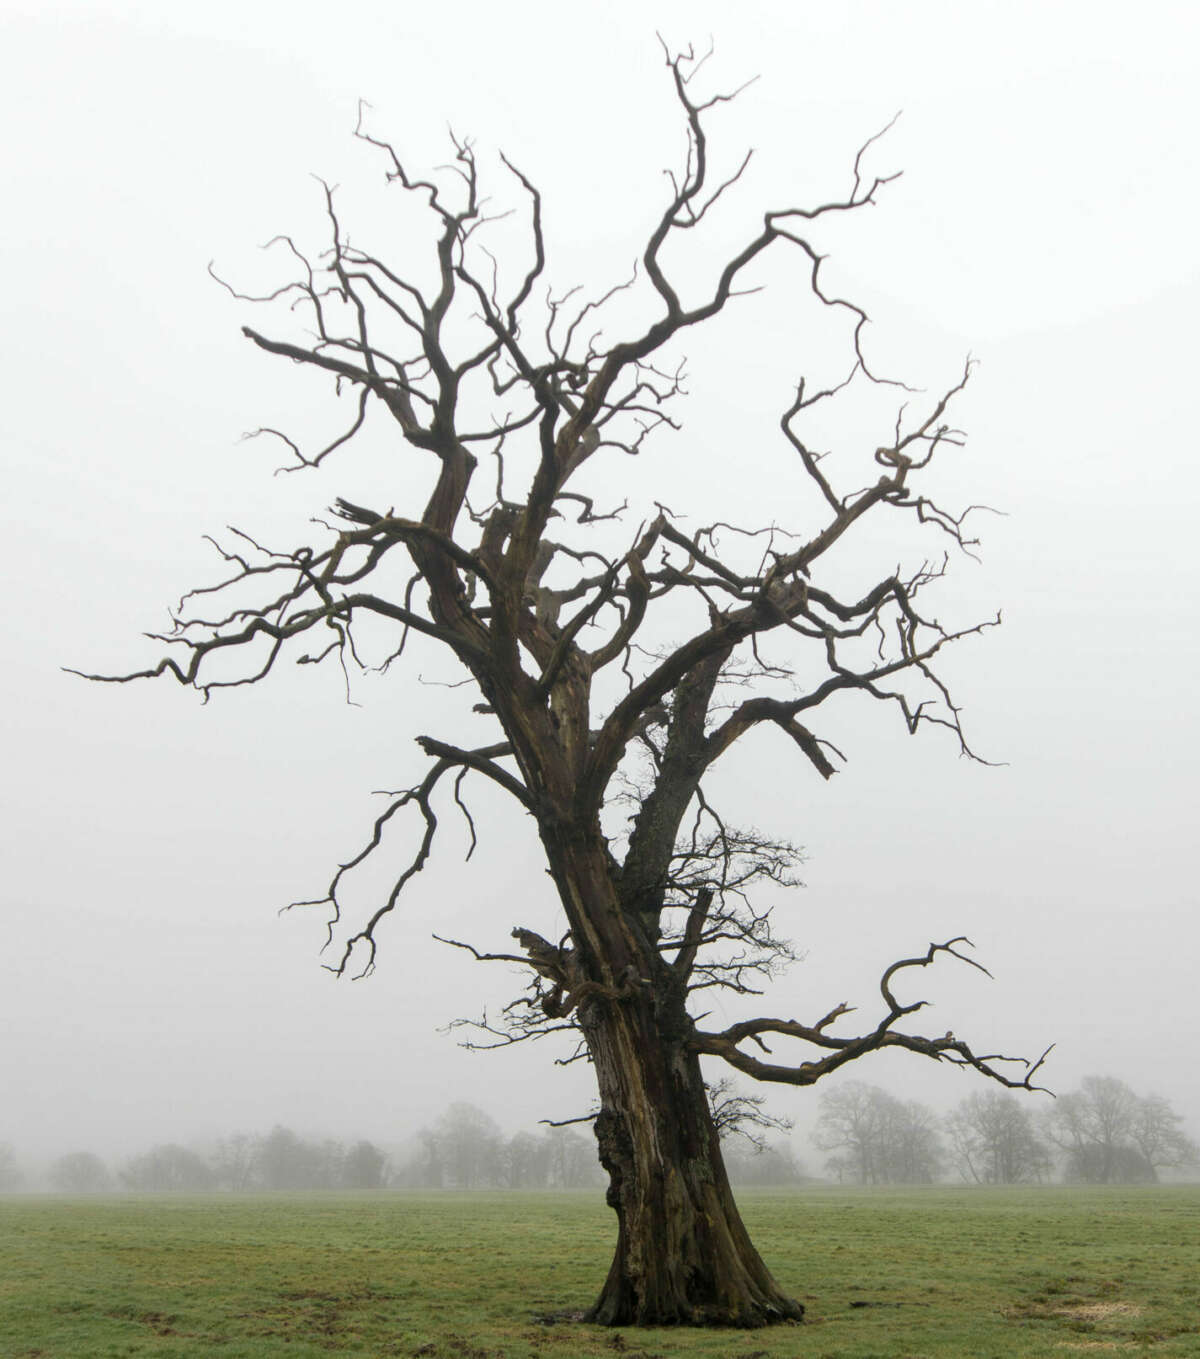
[[940, 1273]]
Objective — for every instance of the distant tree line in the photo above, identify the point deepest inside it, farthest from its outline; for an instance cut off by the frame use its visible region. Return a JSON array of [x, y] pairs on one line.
[[463, 1149], [280, 1159], [1102, 1133]]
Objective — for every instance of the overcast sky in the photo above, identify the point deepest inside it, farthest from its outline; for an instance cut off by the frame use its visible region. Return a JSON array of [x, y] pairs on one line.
[[1045, 223]]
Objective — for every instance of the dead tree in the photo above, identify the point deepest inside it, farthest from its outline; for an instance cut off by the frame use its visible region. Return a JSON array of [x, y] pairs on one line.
[[618, 669]]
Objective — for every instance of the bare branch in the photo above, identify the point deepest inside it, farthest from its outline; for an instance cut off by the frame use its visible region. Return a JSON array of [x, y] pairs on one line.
[[842, 1050]]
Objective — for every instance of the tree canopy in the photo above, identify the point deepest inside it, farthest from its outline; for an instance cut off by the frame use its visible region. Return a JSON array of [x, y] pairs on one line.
[[617, 652]]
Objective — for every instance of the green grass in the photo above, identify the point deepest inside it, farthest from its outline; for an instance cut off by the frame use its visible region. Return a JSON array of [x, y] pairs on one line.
[[888, 1274]]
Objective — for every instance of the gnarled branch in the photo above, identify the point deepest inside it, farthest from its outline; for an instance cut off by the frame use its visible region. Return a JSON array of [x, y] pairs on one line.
[[840, 1050]]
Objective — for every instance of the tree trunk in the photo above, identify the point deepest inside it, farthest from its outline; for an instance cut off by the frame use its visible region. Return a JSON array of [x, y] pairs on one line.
[[683, 1255]]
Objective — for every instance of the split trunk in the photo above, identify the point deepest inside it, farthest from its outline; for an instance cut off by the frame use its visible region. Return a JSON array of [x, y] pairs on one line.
[[683, 1255]]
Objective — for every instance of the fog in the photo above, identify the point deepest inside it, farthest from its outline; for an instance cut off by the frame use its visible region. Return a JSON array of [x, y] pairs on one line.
[[1045, 224]]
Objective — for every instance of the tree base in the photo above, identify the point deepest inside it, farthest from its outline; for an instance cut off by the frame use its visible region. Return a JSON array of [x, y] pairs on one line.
[[673, 1297], [754, 1316]]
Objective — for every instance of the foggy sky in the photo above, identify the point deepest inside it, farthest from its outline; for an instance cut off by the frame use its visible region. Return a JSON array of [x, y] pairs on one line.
[[1045, 223]]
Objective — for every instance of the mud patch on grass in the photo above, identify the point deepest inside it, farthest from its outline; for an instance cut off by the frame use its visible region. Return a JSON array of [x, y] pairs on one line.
[[555, 1318], [1101, 1323], [456, 1346], [618, 1342], [1081, 1311], [1091, 1346], [322, 1316], [161, 1323], [1101, 1311]]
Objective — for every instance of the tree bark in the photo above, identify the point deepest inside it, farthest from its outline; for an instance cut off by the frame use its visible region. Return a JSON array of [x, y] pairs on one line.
[[683, 1255]]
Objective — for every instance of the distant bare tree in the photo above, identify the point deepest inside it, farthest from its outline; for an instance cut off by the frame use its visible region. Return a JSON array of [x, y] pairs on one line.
[[364, 1166], [167, 1167], [235, 1162], [571, 1160], [993, 1140], [851, 1125], [1112, 1136], [526, 1161], [878, 1138], [613, 668], [284, 1160], [915, 1151], [463, 1150], [80, 1172], [1157, 1132]]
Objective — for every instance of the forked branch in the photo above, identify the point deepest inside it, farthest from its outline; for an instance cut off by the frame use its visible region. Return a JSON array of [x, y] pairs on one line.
[[447, 758], [838, 1050]]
